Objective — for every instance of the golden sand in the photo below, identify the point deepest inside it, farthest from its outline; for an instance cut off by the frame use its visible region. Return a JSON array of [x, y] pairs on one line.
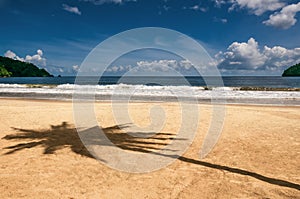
[[41, 155]]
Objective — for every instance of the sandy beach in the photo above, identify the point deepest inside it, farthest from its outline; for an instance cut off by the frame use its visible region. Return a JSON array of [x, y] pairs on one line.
[[41, 155]]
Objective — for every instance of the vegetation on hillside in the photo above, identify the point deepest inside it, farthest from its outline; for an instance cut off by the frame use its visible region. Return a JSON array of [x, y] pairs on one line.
[[292, 71], [14, 68], [4, 72]]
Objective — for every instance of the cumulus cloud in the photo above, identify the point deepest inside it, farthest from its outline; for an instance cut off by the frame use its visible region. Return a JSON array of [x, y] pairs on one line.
[[249, 56], [75, 68], [285, 18], [100, 2], [71, 9], [246, 53], [37, 59], [258, 7], [13, 55], [278, 57], [157, 66]]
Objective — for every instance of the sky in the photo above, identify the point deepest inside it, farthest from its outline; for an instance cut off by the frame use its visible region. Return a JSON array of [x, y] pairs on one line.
[[257, 37]]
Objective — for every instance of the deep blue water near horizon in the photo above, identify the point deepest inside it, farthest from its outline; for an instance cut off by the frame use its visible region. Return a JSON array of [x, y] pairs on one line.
[[229, 81]]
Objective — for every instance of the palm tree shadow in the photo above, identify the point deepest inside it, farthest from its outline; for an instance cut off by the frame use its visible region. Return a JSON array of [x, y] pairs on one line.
[[53, 139], [64, 136]]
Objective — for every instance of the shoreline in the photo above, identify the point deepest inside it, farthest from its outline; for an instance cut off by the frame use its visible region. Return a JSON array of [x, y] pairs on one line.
[[206, 102], [202, 95], [204, 87]]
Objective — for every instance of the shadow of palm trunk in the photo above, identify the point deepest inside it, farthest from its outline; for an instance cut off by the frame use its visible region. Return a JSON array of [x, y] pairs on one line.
[[65, 136]]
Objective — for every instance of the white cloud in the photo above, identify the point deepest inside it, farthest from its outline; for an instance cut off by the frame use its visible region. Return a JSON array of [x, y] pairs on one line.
[[71, 9], [119, 68], [37, 59], [41, 61], [258, 7], [246, 53], [186, 64], [278, 57], [222, 20], [100, 2], [63, 70], [249, 56], [157, 66], [75, 68], [285, 18], [219, 3], [196, 8], [39, 52], [13, 55]]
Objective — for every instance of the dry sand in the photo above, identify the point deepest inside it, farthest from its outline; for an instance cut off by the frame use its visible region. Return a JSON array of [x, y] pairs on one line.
[[41, 156]]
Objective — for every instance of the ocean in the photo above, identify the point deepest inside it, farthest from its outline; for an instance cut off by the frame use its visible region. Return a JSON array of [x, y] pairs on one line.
[[229, 81], [273, 90]]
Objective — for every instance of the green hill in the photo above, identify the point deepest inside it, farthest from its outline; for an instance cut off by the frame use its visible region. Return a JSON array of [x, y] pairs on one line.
[[4, 72], [292, 71], [14, 68]]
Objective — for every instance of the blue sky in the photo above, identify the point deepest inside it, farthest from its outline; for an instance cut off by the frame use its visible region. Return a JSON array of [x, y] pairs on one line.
[[259, 37]]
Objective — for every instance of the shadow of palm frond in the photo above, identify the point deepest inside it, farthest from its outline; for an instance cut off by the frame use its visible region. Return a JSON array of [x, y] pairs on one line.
[[53, 139], [63, 136]]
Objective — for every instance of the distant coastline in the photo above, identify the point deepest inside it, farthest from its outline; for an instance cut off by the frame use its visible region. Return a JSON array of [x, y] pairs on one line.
[[15, 68], [293, 71]]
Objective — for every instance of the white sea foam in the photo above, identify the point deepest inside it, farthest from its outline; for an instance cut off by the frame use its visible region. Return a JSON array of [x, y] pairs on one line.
[[143, 90], [12, 86]]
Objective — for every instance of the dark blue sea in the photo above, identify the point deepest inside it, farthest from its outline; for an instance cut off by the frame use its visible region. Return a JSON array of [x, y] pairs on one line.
[[229, 81]]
